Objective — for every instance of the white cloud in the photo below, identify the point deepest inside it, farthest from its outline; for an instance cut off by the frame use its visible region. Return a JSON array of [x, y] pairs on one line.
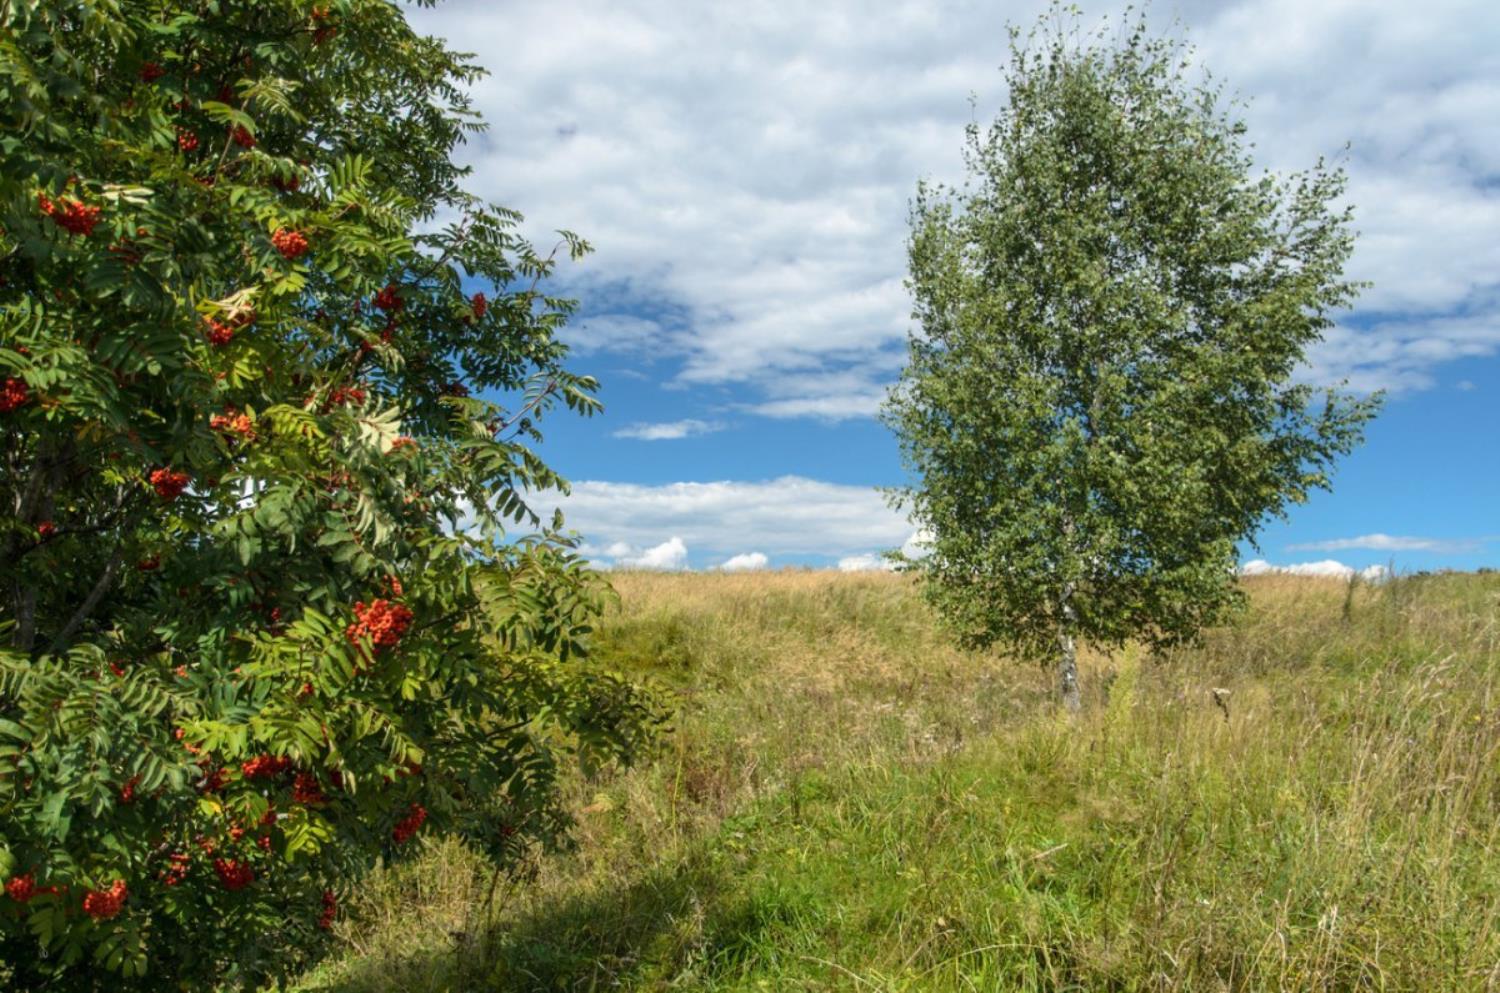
[[670, 554], [668, 430], [863, 563], [917, 546], [745, 562], [745, 171], [1389, 543], [1327, 568], [790, 516]]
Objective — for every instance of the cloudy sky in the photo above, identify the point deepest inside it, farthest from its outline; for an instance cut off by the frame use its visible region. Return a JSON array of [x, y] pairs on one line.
[[744, 173]]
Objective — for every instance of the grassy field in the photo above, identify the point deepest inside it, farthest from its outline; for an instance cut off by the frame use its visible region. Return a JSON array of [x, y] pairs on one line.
[[1308, 801]]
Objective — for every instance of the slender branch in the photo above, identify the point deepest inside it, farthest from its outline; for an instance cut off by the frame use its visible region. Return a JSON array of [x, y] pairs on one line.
[[530, 405], [101, 587]]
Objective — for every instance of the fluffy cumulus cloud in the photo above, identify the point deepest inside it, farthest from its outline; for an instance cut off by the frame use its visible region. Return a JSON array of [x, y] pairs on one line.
[[745, 169], [1327, 568], [1391, 543], [668, 430], [745, 562], [669, 555], [867, 562], [804, 519]]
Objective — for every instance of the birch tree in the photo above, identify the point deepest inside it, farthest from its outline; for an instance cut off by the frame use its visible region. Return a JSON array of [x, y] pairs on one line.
[[1102, 395]]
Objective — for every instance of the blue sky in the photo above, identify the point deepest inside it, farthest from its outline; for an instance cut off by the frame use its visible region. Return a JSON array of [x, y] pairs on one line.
[[745, 174]]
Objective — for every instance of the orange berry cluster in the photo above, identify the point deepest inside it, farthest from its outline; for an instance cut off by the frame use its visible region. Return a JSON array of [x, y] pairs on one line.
[[233, 422], [13, 394], [322, 32], [479, 305], [346, 394], [291, 244], [103, 906], [70, 215], [264, 766], [242, 136], [177, 868], [410, 824], [45, 530], [168, 484], [383, 622]]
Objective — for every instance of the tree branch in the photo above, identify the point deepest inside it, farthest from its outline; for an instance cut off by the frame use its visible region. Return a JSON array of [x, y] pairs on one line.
[[101, 587]]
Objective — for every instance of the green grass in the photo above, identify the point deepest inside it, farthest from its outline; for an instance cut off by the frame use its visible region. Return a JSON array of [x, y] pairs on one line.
[[849, 803]]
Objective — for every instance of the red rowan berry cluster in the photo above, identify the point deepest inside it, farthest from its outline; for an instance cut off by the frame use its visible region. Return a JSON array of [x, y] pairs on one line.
[[388, 299], [126, 251], [21, 888], [70, 215], [305, 789], [187, 140], [403, 442], [330, 910], [118, 668], [213, 780], [45, 530], [410, 824], [218, 334], [382, 622], [291, 244], [151, 72], [150, 564], [265, 766], [242, 136], [168, 484], [233, 874], [177, 868], [346, 394], [322, 31], [479, 305], [13, 394], [127, 792], [233, 422], [103, 906]]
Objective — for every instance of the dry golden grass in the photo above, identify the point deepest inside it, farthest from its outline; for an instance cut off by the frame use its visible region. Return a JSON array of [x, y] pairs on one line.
[[1309, 800]]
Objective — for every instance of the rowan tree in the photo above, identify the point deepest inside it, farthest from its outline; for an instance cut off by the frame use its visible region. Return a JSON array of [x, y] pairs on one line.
[[273, 605], [1102, 396]]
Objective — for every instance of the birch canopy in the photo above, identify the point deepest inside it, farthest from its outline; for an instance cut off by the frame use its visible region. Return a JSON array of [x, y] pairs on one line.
[[1102, 394]]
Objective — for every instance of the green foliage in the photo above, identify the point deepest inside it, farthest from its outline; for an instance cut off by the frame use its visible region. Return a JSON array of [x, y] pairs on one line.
[[260, 602], [1101, 399]]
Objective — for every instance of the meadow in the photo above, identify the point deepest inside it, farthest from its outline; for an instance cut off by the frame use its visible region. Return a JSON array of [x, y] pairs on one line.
[[1307, 800]]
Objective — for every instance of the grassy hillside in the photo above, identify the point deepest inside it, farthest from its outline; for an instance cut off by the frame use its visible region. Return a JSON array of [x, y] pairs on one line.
[[1308, 801]]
